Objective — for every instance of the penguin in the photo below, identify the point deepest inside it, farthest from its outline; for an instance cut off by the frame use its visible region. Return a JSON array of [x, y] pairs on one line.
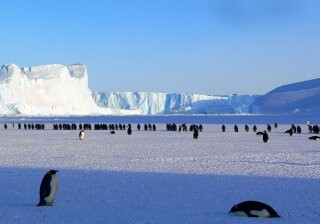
[[223, 128], [254, 129], [265, 137], [112, 132], [254, 209], [294, 128], [246, 128], [268, 127], [81, 135], [275, 125], [315, 129], [317, 138], [195, 133], [298, 129], [310, 128], [236, 128], [48, 188], [290, 131], [129, 131]]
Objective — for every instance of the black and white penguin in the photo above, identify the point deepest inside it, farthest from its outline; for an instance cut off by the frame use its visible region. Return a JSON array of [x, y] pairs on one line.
[[268, 127], [235, 128], [195, 133], [129, 131], [223, 128], [275, 125], [317, 138], [299, 129], [112, 132], [48, 188], [254, 129], [254, 209], [81, 134], [265, 136], [289, 131]]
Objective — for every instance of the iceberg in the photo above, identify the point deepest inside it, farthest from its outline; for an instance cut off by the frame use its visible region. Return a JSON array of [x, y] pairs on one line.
[[48, 90]]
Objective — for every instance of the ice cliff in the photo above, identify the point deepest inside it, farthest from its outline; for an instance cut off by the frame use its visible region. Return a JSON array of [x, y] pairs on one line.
[[175, 103], [47, 90]]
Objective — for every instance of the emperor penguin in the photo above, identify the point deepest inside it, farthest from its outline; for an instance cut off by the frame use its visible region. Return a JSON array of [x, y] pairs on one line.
[[223, 128], [265, 137], [81, 134], [317, 138], [129, 131], [195, 133], [254, 209], [48, 188]]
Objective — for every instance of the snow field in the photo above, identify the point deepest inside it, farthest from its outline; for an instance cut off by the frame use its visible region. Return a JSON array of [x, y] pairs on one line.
[[159, 177]]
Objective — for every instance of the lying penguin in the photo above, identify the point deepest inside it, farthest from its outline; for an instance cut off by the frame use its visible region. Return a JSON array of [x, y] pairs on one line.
[[254, 209], [315, 137]]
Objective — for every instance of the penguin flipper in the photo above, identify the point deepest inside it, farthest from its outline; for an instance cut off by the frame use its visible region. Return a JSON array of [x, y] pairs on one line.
[[45, 189]]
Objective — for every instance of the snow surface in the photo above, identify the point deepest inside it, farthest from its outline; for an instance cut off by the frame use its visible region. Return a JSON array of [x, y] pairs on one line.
[[175, 103], [159, 177]]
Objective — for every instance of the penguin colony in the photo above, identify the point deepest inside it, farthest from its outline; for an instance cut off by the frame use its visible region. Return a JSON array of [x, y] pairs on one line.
[[49, 184]]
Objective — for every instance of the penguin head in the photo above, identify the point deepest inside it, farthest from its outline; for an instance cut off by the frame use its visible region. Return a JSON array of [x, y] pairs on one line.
[[234, 209], [53, 172]]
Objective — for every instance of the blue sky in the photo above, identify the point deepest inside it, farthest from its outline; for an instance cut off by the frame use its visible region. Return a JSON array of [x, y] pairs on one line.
[[199, 46]]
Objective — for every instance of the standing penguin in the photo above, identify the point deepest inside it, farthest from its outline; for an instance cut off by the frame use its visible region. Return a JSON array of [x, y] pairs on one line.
[[254, 209], [265, 137], [268, 127], [195, 133], [254, 128], [48, 188], [81, 134], [223, 128], [129, 131]]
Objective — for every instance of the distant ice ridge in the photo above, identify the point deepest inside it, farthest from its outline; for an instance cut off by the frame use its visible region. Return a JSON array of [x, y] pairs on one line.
[[47, 90], [150, 103], [300, 97]]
